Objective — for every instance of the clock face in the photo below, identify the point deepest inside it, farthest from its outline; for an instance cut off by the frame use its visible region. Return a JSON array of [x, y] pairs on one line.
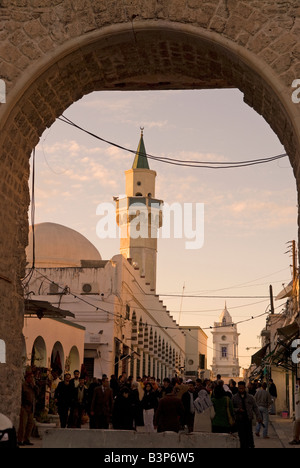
[[224, 338]]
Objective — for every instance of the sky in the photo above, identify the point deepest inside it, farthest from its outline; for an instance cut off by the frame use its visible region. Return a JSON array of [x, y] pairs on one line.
[[249, 213]]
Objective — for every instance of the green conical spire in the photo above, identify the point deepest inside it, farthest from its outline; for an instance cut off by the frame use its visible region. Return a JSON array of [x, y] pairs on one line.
[[140, 160]]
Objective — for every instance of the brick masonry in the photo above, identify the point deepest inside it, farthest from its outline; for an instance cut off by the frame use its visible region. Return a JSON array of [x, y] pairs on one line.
[[52, 56]]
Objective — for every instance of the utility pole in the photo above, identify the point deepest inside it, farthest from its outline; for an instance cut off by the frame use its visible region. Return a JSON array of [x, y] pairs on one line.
[[295, 276], [272, 300]]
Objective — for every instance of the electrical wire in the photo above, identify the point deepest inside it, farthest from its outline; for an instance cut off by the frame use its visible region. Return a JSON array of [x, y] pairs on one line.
[[214, 297], [76, 296], [179, 162], [240, 285]]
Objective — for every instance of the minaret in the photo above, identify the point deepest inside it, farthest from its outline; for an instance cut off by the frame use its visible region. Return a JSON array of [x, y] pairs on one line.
[[225, 344], [139, 216]]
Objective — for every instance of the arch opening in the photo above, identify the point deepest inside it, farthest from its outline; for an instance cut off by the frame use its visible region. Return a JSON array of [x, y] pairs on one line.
[[39, 353], [58, 358]]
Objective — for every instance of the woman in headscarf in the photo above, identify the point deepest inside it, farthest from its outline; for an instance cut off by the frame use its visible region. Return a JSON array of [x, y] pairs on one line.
[[204, 412], [123, 411]]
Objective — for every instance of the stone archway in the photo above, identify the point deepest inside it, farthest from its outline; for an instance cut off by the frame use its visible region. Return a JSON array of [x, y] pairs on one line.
[[52, 56]]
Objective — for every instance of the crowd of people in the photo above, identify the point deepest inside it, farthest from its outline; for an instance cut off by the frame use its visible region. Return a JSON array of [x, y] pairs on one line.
[[170, 405], [149, 405]]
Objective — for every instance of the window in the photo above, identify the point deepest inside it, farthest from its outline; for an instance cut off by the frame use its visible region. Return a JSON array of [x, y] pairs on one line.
[[224, 351], [202, 361]]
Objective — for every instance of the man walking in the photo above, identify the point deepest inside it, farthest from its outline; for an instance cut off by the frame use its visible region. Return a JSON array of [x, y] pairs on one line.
[[79, 403], [188, 399], [273, 393], [245, 407], [170, 413], [264, 401], [29, 394], [102, 405], [64, 394]]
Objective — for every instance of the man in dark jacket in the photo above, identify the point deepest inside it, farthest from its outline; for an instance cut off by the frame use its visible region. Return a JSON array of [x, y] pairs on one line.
[[188, 399], [273, 393], [245, 407], [29, 394], [102, 405], [79, 403], [170, 413], [63, 398]]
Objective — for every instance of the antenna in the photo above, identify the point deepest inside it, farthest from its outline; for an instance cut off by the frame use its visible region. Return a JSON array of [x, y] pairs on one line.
[[183, 289]]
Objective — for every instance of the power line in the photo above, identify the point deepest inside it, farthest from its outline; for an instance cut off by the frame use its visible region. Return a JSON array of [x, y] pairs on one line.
[[97, 308], [240, 285], [213, 297], [179, 162]]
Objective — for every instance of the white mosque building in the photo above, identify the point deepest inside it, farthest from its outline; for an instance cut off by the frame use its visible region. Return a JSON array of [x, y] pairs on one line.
[[113, 321], [225, 347]]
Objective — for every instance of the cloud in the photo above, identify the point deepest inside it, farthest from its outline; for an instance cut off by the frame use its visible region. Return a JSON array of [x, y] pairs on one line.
[[146, 123], [69, 160], [96, 170]]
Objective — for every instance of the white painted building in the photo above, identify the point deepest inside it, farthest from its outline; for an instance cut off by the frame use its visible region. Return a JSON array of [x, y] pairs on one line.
[[225, 347], [195, 353], [127, 327]]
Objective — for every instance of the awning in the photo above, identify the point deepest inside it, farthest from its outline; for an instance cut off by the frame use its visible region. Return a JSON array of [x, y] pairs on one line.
[[289, 332], [43, 309], [282, 356], [259, 356]]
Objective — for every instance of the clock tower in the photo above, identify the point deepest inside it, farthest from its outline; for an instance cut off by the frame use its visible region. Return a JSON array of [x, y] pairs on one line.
[[225, 345]]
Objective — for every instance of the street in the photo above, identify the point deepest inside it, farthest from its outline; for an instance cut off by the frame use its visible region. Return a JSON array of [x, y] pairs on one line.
[[280, 433]]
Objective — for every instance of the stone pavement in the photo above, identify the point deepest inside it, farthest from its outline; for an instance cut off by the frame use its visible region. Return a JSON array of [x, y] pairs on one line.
[[280, 433], [284, 430]]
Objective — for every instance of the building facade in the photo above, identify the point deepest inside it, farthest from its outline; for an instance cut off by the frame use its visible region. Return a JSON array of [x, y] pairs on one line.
[[278, 358], [195, 353]]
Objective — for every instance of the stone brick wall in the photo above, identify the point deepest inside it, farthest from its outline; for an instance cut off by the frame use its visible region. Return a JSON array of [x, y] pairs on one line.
[[50, 56]]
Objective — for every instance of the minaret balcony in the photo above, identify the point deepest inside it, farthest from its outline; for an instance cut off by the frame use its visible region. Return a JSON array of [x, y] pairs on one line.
[[128, 208]]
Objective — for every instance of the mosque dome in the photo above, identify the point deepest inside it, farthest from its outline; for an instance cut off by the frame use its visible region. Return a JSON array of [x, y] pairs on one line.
[[59, 246]]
